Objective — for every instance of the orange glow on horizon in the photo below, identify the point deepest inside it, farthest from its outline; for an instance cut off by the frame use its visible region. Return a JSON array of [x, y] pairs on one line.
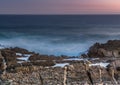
[[97, 7]]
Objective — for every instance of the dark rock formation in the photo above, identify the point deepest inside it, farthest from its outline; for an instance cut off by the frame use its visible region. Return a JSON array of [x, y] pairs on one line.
[[109, 49], [3, 65], [38, 57], [10, 57], [20, 50]]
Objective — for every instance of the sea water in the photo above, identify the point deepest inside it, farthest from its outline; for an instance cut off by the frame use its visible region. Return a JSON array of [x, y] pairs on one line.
[[58, 34]]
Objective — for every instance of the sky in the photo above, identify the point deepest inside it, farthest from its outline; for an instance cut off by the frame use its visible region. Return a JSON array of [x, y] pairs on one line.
[[59, 6]]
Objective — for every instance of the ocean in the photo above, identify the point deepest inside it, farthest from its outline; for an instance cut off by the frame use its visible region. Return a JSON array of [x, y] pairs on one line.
[[58, 34]]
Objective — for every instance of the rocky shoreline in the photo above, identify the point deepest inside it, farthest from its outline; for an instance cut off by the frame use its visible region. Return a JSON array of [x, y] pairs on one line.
[[100, 66]]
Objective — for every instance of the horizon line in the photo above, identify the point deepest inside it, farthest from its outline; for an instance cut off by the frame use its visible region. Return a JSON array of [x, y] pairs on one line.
[[59, 14]]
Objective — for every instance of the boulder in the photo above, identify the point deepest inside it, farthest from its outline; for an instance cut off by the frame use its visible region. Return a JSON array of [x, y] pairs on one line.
[[3, 65], [19, 50], [109, 49], [115, 64], [10, 57]]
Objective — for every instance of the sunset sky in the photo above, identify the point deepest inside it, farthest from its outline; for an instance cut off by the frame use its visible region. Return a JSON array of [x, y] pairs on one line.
[[59, 6]]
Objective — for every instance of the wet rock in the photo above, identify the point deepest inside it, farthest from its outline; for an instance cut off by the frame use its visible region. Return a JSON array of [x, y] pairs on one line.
[[35, 57], [76, 74], [6, 82], [84, 56], [45, 63], [39, 69], [3, 65], [20, 50], [9, 56], [109, 49]]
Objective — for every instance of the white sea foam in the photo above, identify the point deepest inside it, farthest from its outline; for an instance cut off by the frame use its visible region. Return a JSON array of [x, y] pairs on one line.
[[45, 47], [60, 64], [19, 54], [20, 61], [24, 57], [100, 64], [72, 44], [72, 59]]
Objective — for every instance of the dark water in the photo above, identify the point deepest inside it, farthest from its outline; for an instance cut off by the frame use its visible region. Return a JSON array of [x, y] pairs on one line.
[[58, 34]]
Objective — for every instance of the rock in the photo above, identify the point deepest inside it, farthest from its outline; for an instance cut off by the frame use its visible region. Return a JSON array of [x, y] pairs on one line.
[[6, 82], [9, 56], [20, 50], [36, 57], [116, 63], [75, 74], [109, 49], [39, 69], [45, 63], [3, 65], [84, 56]]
